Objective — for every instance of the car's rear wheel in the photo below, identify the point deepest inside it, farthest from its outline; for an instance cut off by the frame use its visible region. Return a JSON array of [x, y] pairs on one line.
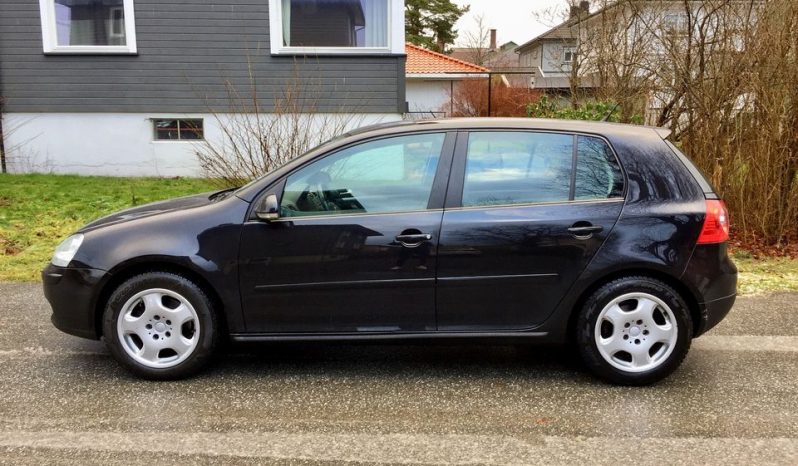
[[160, 326], [634, 331]]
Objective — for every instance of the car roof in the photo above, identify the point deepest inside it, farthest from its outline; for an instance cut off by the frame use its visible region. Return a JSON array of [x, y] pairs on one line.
[[579, 126]]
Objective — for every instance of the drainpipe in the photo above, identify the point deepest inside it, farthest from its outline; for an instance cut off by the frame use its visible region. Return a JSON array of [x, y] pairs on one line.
[[490, 91], [2, 142], [3, 168], [451, 98]]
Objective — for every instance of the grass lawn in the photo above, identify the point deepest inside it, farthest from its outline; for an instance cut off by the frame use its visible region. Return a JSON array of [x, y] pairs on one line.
[[765, 275], [38, 211]]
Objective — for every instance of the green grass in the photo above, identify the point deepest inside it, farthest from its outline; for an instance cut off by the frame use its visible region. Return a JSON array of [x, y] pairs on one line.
[[38, 211], [766, 275]]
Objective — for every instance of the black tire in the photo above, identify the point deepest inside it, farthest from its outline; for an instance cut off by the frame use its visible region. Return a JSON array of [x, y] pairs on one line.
[[207, 340], [589, 314]]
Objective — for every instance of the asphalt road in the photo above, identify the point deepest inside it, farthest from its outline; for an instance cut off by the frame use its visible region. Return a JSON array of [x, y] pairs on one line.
[[63, 400]]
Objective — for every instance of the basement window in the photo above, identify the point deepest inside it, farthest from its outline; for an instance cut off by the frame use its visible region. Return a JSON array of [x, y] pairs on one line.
[[178, 129], [88, 26]]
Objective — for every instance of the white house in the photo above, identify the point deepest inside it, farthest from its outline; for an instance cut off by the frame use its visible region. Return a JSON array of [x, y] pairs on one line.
[[432, 79]]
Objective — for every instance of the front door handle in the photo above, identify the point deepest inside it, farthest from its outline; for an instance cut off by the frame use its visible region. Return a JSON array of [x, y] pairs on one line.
[[584, 230], [412, 237]]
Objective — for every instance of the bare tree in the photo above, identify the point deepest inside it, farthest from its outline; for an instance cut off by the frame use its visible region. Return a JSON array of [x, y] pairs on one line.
[[722, 74], [257, 136], [477, 42]]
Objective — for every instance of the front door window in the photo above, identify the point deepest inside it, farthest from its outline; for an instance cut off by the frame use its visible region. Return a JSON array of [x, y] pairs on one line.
[[383, 176]]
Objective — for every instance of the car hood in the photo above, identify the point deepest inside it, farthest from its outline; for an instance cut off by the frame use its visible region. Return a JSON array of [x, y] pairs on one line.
[[149, 210]]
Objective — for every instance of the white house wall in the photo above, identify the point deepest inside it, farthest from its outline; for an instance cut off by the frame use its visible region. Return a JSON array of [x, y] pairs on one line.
[[115, 144], [428, 95], [553, 55]]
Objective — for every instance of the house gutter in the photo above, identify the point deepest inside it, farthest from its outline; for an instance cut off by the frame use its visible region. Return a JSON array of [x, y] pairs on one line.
[[447, 76]]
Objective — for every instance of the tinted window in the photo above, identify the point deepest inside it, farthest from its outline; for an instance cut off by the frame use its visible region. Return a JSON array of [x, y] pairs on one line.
[[388, 175], [517, 168], [598, 175]]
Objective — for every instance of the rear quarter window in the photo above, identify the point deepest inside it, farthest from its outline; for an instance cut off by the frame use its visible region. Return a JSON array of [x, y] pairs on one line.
[[598, 174]]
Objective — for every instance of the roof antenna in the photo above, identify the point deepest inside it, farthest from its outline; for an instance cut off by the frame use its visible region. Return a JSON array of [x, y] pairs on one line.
[[609, 114]]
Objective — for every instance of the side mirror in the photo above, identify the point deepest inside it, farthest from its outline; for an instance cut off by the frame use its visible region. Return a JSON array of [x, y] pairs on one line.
[[268, 209]]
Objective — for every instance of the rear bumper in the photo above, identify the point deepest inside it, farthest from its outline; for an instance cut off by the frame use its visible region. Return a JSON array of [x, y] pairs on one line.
[[71, 293], [713, 312], [713, 277]]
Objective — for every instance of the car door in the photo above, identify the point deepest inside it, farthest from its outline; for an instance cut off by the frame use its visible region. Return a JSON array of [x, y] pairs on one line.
[[525, 213], [354, 249]]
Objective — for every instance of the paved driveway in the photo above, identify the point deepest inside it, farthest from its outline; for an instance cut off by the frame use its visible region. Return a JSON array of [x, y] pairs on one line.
[[64, 400]]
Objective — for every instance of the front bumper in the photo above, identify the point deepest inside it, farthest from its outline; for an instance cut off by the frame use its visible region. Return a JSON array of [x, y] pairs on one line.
[[72, 294]]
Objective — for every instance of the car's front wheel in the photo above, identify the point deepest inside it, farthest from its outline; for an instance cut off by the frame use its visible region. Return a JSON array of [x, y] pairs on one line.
[[634, 331], [160, 326]]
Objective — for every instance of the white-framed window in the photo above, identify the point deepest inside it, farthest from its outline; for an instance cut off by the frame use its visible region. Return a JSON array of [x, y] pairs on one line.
[[88, 26], [568, 54], [330, 27]]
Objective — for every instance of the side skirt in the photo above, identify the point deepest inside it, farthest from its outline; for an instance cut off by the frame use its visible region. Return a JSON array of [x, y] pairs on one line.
[[503, 336]]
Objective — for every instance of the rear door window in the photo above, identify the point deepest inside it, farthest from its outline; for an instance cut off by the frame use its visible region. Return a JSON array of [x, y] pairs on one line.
[[513, 167]]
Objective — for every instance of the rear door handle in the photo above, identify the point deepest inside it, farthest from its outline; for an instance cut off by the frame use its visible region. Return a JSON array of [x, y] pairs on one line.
[[414, 238], [584, 229]]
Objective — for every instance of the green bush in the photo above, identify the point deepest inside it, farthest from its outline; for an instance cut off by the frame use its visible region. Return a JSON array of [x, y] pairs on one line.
[[590, 110]]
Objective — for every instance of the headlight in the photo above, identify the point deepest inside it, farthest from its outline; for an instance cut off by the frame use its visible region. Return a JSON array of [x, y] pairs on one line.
[[67, 250]]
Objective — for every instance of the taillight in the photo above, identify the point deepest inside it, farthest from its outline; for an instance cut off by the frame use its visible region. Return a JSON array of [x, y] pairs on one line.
[[716, 223]]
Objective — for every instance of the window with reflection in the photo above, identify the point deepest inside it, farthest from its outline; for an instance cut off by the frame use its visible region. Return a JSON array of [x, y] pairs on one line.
[[598, 175], [90, 22], [335, 23], [94, 26], [387, 175], [513, 167]]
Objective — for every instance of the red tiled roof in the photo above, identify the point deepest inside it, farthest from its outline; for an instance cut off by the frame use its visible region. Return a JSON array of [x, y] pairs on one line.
[[423, 61]]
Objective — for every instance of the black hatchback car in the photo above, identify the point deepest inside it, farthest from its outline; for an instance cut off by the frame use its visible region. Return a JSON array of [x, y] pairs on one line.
[[598, 235]]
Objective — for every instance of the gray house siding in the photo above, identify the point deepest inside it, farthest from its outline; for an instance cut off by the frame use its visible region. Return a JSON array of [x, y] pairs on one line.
[[188, 50]]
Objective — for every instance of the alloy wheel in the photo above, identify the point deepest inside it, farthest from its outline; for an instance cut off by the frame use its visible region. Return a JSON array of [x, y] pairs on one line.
[[158, 328], [636, 332]]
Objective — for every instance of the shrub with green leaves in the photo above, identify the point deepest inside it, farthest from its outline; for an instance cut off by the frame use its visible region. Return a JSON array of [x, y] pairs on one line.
[[590, 110]]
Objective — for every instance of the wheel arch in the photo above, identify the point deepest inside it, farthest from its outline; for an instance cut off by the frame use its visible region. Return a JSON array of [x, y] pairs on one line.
[[128, 270], [680, 287]]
